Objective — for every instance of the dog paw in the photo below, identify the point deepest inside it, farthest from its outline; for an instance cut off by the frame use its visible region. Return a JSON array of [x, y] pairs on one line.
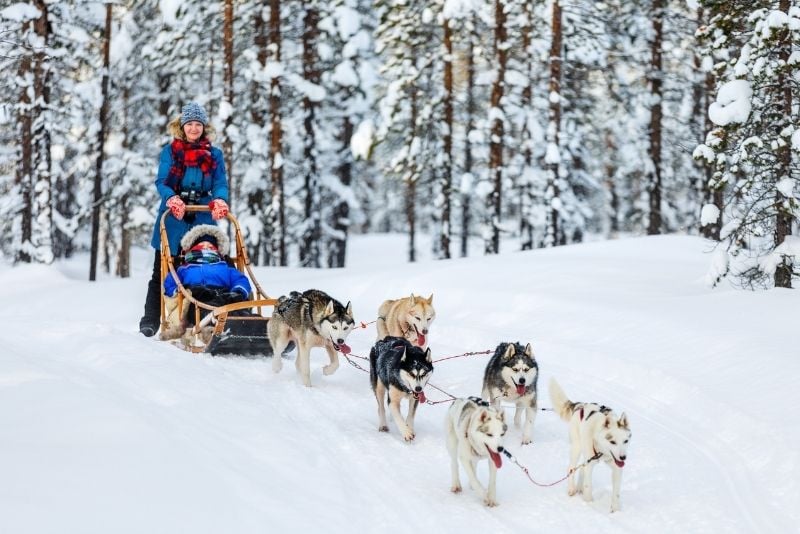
[[526, 441], [409, 436], [587, 497], [491, 503], [277, 365], [329, 369], [456, 489], [383, 428], [572, 492], [614, 507]]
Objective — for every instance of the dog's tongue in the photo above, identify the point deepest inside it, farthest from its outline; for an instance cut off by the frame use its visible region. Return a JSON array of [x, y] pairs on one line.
[[421, 397], [420, 340], [498, 462], [619, 463], [520, 389], [344, 348]]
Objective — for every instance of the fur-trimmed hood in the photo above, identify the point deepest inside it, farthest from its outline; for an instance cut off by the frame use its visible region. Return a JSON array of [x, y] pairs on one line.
[[223, 243]]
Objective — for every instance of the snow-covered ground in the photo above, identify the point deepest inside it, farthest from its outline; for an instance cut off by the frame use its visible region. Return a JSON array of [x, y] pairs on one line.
[[103, 430]]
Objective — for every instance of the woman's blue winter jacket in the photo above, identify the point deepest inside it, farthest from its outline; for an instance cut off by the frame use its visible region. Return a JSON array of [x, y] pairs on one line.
[[215, 186]]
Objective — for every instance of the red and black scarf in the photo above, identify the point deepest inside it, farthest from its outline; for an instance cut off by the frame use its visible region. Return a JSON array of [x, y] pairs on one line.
[[186, 154]]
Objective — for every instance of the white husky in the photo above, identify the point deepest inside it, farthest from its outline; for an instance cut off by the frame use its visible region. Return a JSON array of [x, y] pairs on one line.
[[475, 431], [595, 433]]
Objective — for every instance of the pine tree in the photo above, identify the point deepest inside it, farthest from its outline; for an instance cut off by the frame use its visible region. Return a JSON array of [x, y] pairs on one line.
[[753, 148]]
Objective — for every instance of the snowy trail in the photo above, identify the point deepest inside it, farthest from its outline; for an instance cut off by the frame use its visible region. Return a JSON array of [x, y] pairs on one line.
[[109, 431]]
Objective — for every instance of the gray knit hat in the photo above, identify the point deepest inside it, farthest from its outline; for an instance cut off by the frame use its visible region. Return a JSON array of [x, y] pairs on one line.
[[193, 112]]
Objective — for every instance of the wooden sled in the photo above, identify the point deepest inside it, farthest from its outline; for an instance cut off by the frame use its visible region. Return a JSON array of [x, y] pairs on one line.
[[237, 328]]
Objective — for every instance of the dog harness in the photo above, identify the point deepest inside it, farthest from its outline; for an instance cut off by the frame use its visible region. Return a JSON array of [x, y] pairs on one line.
[[600, 409]]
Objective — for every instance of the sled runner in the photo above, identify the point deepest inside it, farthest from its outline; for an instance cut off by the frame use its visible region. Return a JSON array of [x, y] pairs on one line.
[[236, 328]]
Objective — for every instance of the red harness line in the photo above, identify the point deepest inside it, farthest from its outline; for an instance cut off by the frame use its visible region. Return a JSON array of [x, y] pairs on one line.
[[354, 364], [562, 479], [488, 351]]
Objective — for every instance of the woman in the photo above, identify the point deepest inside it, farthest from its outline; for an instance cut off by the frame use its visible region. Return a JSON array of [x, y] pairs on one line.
[[190, 171]]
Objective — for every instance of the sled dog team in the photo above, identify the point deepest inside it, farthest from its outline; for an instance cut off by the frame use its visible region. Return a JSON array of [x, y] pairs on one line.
[[401, 365]]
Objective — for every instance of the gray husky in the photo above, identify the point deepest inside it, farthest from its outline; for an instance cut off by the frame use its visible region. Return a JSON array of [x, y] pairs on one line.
[[309, 319], [595, 433], [402, 370], [512, 373]]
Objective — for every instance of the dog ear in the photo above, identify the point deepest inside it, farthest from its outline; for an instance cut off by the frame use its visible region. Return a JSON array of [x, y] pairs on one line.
[[608, 422], [428, 355], [413, 299], [510, 352], [403, 357], [528, 350], [484, 416], [329, 308], [349, 309], [622, 422], [430, 299]]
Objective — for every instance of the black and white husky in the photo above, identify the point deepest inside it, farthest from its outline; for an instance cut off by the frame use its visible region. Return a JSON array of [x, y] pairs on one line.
[[512, 373], [309, 319], [401, 370], [595, 433], [475, 431]]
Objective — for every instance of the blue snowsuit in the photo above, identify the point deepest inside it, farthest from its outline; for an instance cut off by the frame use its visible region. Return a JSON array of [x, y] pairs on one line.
[[218, 274]]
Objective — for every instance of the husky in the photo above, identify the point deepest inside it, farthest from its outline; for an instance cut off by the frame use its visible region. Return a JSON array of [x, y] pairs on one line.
[[176, 319], [512, 373], [309, 319], [595, 433], [475, 431], [408, 317], [402, 370]]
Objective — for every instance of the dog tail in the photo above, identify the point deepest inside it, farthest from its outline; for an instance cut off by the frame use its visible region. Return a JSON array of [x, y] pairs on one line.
[[561, 404]]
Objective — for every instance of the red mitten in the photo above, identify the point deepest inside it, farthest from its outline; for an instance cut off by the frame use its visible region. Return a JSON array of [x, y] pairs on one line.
[[176, 206], [219, 208]]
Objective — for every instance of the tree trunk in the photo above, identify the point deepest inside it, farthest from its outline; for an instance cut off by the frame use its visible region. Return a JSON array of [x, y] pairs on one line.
[[24, 170], [783, 223], [42, 223], [337, 247], [526, 191], [277, 217], [411, 186], [164, 88], [610, 172], [554, 230], [466, 196], [227, 144], [709, 196], [656, 81], [494, 201], [309, 248], [101, 139], [447, 168], [255, 198], [123, 260]]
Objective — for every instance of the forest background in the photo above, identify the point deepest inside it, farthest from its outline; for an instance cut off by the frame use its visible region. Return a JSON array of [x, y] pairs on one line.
[[529, 123]]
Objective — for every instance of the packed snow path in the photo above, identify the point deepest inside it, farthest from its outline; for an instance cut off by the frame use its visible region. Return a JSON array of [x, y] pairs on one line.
[[103, 430]]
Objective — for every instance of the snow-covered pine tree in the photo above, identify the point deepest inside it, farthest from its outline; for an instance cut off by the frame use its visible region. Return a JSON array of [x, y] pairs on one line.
[[404, 37], [29, 55], [755, 145], [348, 79], [312, 96], [276, 211]]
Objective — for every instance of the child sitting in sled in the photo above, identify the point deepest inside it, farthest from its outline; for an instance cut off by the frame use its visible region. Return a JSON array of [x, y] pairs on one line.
[[206, 275]]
